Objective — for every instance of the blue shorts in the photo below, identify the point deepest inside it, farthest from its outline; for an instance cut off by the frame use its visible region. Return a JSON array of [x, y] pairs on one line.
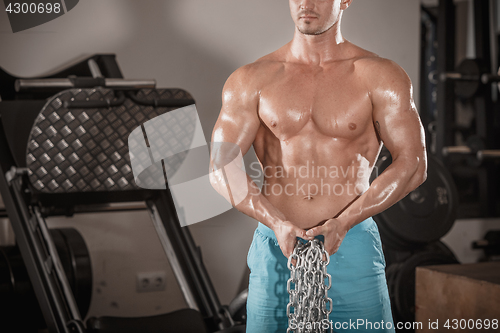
[[359, 288]]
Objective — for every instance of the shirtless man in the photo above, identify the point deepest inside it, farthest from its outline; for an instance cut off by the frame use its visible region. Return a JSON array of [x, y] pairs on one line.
[[323, 106]]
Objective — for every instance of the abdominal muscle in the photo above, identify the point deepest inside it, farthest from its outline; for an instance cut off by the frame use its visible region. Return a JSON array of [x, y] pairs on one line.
[[309, 187], [303, 205]]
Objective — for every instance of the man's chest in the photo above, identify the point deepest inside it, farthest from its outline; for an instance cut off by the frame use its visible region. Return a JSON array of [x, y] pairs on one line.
[[335, 104]]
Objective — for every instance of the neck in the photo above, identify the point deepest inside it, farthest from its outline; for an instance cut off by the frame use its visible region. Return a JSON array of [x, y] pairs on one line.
[[318, 49]]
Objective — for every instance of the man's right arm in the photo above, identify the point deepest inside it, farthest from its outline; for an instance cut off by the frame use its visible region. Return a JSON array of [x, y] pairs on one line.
[[238, 124]]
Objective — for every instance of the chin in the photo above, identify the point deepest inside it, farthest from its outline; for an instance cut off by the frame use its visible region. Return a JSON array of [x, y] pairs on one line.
[[310, 31]]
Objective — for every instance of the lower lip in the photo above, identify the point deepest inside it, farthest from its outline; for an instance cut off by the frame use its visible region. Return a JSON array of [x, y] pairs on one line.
[[308, 18]]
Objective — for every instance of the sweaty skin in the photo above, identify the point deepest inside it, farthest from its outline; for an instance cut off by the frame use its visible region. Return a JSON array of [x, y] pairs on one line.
[[323, 104]]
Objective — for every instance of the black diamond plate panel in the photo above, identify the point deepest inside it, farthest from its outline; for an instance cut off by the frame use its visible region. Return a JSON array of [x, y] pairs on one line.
[[85, 150]]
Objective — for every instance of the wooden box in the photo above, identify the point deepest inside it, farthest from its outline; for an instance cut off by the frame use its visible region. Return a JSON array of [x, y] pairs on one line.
[[463, 296]]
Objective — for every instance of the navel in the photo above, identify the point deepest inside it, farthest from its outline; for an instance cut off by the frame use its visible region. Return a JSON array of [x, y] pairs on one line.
[[352, 126]]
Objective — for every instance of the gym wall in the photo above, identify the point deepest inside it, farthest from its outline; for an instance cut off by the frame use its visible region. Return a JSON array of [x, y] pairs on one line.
[[195, 45]]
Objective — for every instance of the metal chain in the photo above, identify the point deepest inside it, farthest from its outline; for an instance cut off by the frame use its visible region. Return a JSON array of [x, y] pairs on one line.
[[308, 287]]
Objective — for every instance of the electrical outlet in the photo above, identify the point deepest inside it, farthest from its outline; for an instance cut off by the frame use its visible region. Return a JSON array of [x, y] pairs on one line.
[[151, 281]]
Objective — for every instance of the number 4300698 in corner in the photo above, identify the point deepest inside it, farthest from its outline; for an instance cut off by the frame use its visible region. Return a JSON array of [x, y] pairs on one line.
[[472, 324], [33, 8]]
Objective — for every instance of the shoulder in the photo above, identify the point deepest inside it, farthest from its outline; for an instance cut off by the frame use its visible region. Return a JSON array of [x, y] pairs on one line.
[[370, 67], [250, 78], [381, 73], [387, 84], [258, 70]]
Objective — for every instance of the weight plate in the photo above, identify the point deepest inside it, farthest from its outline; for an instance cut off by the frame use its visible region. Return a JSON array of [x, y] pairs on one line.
[[498, 84], [238, 307], [390, 240], [82, 268], [437, 247], [425, 214], [7, 280], [394, 256], [468, 88], [17, 299], [75, 259], [475, 143]]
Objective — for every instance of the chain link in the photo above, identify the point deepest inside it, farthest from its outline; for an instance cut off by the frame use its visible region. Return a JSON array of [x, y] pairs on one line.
[[308, 287]]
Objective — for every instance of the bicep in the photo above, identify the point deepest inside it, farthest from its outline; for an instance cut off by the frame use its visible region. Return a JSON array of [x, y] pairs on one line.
[[395, 116], [238, 120], [236, 126]]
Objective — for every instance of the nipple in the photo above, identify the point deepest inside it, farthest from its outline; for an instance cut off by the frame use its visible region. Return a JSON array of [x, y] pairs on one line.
[[273, 123], [352, 126]]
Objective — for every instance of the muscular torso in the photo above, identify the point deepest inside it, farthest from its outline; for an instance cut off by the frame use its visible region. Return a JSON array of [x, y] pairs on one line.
[[317, 142]]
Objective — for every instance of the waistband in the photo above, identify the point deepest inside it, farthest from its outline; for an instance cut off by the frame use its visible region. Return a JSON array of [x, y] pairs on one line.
[[268, 232]]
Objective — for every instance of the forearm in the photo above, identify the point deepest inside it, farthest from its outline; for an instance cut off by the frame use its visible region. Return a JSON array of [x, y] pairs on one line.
[[400, 178], [260, 208], [244, 194]]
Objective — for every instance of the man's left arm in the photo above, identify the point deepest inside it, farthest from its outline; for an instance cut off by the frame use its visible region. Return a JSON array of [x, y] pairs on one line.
[[397, 122]]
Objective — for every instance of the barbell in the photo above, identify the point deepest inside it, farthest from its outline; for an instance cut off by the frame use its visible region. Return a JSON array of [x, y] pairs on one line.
[[97, 80], [474, 149], [467, 77]]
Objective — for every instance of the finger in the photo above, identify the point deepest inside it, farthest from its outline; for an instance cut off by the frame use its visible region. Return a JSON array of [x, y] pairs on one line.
[[286, 253], [329, 246], [300, 233], [315, 231], [288, 250]]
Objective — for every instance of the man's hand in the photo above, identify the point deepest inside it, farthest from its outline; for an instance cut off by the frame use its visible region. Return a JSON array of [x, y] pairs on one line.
[[334, 231], [286, 234]]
